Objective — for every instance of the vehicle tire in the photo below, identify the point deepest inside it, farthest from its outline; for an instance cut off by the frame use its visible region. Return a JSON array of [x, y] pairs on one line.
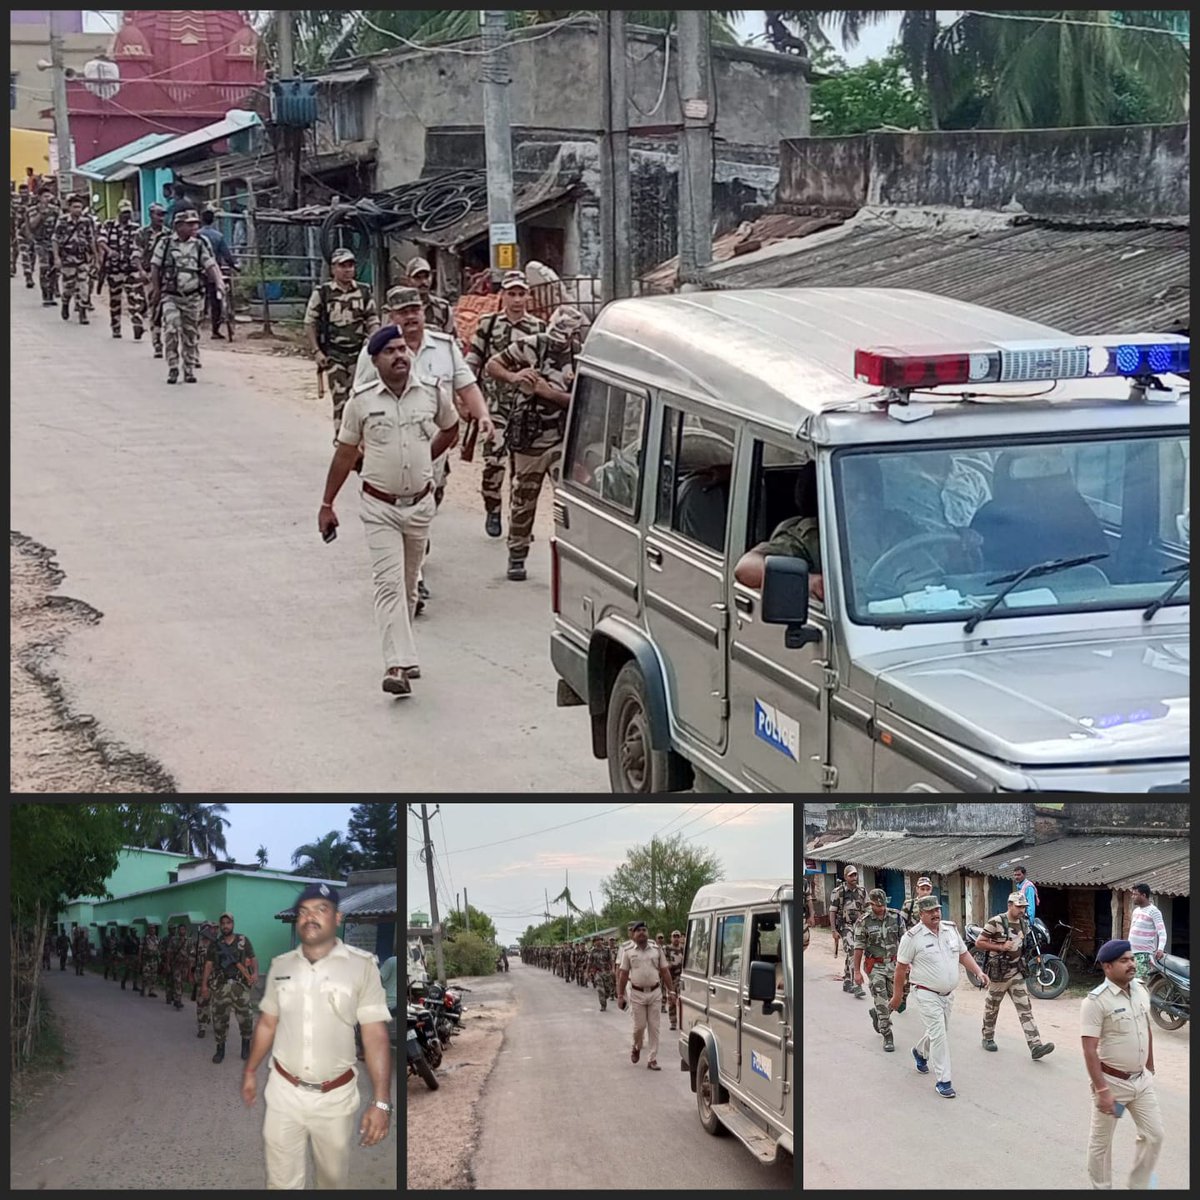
[[1051, 979], [709, 1093], [1164, 989], [434, 1055], [426, 1073], [633, 767]]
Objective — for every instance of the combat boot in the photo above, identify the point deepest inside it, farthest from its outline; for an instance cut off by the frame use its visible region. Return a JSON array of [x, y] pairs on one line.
[[83, 318], [189, 376], [178, 1003], [122, 985], [200, 1031], [172, 374], [158, 352], [989, 1044], [491, 524], [220, 1054], [245, 1049], [857, 991], [516, 569], [845, 985], [1042, 1050], [888, 1044], [153, 994]]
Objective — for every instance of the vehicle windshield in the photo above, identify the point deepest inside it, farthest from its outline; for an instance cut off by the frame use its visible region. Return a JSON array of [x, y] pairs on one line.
[[936, 533]]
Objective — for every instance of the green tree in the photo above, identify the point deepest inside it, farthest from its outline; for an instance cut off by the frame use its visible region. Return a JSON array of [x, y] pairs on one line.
[[469, 954], [331, 857], [261, 855], [481, 924], [373, 828], [878, 93], [657, 883]]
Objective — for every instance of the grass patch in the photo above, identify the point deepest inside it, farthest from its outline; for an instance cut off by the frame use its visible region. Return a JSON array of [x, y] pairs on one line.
[[50, 1059]]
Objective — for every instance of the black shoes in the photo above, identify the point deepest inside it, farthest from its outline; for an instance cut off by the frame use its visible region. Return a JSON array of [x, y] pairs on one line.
[[200, 1031], [158, 352], [492, 524], [137, 334], [153, 995], [220, 1054], [1042, 1050], [178, 1003], [245, 1049], [66, 310], [189, 377], [83, 319], [516, 569], [173, 375]]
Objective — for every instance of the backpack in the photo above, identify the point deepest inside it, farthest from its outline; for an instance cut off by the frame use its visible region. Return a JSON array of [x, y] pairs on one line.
[[526, 422]]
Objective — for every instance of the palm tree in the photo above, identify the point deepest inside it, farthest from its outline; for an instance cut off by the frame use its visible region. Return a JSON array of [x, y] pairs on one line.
[[329, 858], [261, 855]]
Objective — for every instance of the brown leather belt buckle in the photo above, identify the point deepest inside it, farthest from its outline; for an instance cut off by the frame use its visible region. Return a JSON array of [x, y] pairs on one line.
[[1119, 1074]]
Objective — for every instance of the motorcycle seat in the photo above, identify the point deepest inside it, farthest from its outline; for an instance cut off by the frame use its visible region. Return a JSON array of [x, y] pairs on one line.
[[1177, 966]]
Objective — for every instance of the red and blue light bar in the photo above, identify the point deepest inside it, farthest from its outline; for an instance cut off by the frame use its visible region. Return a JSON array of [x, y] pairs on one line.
[[1035, 361]]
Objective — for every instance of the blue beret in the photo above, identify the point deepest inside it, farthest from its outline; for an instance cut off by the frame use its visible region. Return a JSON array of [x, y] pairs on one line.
[[317, 891], [381, 337], [1112, 950]]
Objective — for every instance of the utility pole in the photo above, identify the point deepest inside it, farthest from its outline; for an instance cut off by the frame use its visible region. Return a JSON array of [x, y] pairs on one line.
[[292, 138], [497, 138], [466, 911], [62, 127], [616, 266], [695, 146], [608, 249], [287, 60], [427, 854]]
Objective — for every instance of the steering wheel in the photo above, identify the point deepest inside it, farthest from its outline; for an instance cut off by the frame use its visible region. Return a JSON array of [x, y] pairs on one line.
[[912, 574]]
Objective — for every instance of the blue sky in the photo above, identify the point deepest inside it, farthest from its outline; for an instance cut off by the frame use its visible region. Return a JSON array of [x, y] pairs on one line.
[[511, 881]]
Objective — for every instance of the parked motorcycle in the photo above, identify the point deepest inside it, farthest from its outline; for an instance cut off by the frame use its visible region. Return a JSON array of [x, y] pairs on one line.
[[424, 1046], [1170, 991], [1046, 975], [446, 1007]]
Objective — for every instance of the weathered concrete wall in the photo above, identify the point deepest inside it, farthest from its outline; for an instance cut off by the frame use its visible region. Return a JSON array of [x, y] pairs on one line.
[[1163, 818], [950, 818], [1133, 170]]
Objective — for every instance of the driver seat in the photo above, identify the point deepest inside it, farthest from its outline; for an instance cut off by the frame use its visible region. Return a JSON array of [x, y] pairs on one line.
[[1035, 513], [1177, 966]]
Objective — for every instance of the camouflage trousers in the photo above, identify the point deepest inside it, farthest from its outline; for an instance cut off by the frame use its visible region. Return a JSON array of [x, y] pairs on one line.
[[340, 377], [529, 470], [124, 283], [230, 996], [12, 253], [881, 981], [156, 324], [606, 985], [47, 271], [1014, 987], [203, 1011], [28, 258], [76, 285], [181, 325], [149, 972], [848, 956], [176, 979], [495, 458]]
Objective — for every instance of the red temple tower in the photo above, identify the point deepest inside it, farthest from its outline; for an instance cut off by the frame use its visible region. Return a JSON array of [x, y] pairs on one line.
[[178, 71]]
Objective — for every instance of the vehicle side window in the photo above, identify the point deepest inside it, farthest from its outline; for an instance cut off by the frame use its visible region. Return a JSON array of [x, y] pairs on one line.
[[765, 934], [730, 934], [695, 465], [1099, 470], [604, 454], [777, 489], [696, 951], [1174, 479]]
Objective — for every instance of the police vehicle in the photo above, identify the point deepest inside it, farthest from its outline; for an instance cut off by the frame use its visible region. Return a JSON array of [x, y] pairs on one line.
[[876, 541]]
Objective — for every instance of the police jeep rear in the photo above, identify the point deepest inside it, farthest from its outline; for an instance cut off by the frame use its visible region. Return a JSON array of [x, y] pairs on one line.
[[1004, 539]]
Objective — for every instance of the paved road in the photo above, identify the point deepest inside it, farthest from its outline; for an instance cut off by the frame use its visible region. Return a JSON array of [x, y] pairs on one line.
[[140, 1104], [235, 647], [565, 1108], [1014, 1123]]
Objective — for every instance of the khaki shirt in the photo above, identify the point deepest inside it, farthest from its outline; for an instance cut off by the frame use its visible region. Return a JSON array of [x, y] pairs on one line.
[[643, 965], [1121, 1020], [317, 1005], [396, 432], [437, 358], [933, 960]]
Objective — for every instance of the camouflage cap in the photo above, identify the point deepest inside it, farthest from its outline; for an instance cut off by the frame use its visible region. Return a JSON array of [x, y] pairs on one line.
[[566, 321], [125, 206], [877, 896], [514, 279], [156, 207], [1018, 898], [186, 216], [928, 902], [402, 297], [416, 266], [341, 255], [849, 871]]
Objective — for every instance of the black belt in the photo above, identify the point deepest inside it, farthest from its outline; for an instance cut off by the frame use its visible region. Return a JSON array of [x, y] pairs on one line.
[[921, 987], [403, 501], [649, 989]]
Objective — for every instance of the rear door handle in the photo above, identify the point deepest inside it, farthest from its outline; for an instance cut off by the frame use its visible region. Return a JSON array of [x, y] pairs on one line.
[[654, 554], [744, 604]]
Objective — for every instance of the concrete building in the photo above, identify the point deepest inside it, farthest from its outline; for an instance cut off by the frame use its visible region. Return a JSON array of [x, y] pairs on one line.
[[29, 41]]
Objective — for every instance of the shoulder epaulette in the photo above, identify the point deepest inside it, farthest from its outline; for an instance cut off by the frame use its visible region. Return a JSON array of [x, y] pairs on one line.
[[360, 953], [1098, 988]]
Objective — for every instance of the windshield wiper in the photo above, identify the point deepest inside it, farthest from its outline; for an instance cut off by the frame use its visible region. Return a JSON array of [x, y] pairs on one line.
[[1180, 569], [1031, 572]]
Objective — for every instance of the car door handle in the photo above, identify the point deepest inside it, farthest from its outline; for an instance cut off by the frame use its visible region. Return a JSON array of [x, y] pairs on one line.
[[654, 554], [744, 604]]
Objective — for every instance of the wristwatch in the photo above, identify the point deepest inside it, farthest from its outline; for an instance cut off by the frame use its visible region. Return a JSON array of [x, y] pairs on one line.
[[387, 1108]]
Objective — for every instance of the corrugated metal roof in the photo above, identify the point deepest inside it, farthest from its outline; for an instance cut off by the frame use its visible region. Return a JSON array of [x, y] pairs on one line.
[[903, 852], [1127, 277], [234, 121], [103, 165], [1174, 879], [1093, 860]]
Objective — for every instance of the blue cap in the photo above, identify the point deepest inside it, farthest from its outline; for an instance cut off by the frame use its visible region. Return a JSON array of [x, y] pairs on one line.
[[381, 337], [316, 891], [1112, 950]]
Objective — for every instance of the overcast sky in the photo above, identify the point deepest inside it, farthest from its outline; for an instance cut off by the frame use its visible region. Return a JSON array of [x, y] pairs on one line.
[[509, 881]]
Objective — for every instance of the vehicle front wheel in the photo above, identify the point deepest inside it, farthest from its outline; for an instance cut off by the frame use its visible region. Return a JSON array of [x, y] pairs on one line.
[[633, 767], [708, 1093]]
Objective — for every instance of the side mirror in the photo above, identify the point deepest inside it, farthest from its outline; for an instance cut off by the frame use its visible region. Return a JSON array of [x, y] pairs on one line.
[[785, 599], [762, 986]]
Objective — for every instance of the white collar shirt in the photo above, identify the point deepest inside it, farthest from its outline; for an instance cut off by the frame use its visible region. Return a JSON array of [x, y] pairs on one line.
[[436, 358], [933, 959], [317, 1005], [1121, 1020], [643, 964]]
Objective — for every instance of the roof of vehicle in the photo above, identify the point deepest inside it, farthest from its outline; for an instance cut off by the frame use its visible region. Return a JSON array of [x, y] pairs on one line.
[[739, 892], [784, 356]]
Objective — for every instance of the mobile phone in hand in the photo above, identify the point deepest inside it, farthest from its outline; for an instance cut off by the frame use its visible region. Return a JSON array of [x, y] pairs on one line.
[[1118, 1108], [330, 533]]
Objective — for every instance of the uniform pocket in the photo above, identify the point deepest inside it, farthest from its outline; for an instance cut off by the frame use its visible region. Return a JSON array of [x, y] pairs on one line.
[[340, 998]]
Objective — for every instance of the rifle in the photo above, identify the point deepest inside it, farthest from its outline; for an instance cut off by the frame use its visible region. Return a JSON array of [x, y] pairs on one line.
[[244, 973], [467, 454], [837, 937]]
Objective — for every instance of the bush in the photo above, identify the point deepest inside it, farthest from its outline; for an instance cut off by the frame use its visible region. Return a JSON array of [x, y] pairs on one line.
[[469, 954]]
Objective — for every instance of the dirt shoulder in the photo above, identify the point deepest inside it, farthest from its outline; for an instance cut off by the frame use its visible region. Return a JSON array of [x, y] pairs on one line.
[[443, 1162]]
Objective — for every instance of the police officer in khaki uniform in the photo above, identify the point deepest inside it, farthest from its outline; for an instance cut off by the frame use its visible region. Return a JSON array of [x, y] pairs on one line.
[[644, 967], [438, 313], [403, 424], [1118, 1052], [313, 998]]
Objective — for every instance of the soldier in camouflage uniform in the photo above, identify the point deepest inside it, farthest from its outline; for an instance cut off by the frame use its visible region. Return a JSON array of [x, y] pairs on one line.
[[197, 955], [602, 970], [120, 265], [438, 313], [75, 250], [493, 334], [908, 910], [178, 267], [111, 953], [130, 958], [230, 970], [43, 217], [177, 965], [149, 957], [25, 202], [14, 222], [876, 937], [674, 953], [846, 905], [147, 238], [1003, 937], [540, 369], [340, 316]]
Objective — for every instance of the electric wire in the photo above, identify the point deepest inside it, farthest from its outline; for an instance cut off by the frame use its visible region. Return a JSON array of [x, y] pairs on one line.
[[1055, 20], [550, 829], [724, 822], [509, 41]]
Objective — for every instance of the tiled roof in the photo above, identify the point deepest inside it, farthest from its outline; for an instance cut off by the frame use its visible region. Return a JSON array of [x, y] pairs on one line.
[[1089, 859], [1078, 276], [903, 852]]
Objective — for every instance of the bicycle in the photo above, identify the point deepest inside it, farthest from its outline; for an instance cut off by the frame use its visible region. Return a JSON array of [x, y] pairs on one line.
[[1067, 952]]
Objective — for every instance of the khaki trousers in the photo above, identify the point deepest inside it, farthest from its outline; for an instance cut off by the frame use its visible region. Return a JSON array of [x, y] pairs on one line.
[[935, 1045], [645, 1017], [396, 537], [1141, 1102], [296, 1115]]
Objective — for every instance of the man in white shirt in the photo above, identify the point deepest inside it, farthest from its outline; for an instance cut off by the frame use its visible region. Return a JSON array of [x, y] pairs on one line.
[[1147, 933], [403, 424], [931, 952], [314, 996], [644, 967]]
